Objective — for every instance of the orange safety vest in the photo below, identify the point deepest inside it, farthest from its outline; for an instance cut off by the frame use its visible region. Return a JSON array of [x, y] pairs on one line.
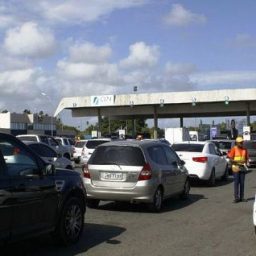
[[239, 155]]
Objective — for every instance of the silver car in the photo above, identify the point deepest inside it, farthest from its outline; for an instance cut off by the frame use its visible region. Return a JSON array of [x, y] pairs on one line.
[[49, 155], [135, 171]]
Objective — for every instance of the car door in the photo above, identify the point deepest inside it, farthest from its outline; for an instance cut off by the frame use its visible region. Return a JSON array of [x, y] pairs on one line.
[[5, 206], [33, 196], [218, 160], [180, 175]]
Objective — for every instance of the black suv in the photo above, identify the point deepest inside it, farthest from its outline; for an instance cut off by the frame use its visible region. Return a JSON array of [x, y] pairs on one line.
[[35, 198]]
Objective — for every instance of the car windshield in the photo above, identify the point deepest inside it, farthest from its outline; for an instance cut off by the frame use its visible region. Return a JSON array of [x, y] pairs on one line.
[[119, 155], [92, 144], [188, 147]]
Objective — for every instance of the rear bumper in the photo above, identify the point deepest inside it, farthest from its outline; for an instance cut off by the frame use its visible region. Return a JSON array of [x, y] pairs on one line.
[[142, 192]]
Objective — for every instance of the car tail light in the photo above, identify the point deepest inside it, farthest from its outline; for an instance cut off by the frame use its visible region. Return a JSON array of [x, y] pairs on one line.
[[200, 159], [86, 171], [146, 172]]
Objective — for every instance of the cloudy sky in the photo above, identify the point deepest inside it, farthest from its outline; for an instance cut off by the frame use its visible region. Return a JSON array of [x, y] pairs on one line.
[[92, 47]]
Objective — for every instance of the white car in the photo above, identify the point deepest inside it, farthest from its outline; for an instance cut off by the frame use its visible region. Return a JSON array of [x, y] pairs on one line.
[[90, 146], [203, 160], [254, 214], [78, 150], [67, 143]]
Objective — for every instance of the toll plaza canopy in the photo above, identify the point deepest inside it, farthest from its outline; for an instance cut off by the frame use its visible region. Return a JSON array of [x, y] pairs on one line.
[[232, 102]]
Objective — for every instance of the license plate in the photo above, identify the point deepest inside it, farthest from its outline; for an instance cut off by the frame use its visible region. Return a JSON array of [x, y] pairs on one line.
[[112, 176]]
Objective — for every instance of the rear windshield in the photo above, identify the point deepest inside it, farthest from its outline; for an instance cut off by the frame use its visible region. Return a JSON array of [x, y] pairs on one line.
[[79, 144], [250, 145], [120, 155], [223, 144], [92, 144], [27, 138], [188, 147]]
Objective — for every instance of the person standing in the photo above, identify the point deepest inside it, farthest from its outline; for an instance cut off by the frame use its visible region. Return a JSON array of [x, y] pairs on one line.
[[238, 156], [233, 133]]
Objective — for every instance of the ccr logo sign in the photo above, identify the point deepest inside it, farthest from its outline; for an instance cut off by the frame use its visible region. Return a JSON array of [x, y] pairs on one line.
[[103, 100]]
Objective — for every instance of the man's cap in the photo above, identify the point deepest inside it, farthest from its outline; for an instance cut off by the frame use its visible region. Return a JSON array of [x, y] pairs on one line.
[[239, 139]]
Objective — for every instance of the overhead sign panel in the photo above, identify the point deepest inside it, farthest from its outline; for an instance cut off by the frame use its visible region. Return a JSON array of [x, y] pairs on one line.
[[103, 100]]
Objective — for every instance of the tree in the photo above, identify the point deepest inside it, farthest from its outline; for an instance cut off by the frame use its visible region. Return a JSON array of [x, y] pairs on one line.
[[27, 111]]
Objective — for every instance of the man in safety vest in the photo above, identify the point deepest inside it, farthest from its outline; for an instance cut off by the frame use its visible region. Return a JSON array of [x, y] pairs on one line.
[[239, 158]]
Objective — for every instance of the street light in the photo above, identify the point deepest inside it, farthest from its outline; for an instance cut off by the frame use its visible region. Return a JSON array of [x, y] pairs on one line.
[[45, 95]]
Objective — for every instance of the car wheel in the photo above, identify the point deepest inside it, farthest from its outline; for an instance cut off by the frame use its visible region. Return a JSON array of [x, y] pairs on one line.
[[225, 175], [186, 189], [71, 222], [212, 180], [157, 203], [93, 203]]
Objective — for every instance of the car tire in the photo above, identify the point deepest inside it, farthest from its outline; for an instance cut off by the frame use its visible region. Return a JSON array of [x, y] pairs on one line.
[[186, 189], [93, 203], [157, 203], [71, 223], [212, 179], [226, 174]]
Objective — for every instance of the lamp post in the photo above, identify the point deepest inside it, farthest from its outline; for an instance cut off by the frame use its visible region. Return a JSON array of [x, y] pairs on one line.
[[45, 95]]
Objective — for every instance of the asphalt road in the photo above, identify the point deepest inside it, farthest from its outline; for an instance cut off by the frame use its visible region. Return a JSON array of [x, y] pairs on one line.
[[206, 224]]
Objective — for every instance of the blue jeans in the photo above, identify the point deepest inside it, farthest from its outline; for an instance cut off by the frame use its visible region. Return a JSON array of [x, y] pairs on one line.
[[239, 178]]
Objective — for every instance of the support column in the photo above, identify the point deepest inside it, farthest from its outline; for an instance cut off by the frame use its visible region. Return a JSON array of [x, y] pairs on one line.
[[99, 124], [155, 123], [181, 122], [248, 113]]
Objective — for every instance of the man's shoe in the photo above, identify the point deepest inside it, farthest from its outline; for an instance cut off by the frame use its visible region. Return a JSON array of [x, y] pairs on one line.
[[236, 201], [243, 200]]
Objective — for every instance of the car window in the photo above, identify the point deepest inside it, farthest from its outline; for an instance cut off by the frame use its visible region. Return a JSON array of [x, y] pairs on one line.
[[120, 155], [65, 142], [92, 144], [250, 145], [44, 139], [43, 150], [212, 149], [190, 147], [59, 141], [53, 142], [18, 160], [171, 155], [157, 155]]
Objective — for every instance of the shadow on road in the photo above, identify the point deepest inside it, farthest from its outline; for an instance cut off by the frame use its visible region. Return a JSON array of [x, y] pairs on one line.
[[168, 205], [93, 235], [219, 183]]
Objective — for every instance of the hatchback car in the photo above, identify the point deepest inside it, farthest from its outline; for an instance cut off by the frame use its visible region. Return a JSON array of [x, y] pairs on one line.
[[135, 171], [89, 147], [49, 155], [203, 160]]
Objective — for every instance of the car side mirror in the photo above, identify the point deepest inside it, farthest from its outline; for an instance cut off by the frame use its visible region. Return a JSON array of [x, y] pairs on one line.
[[49, 169], [224, 153]]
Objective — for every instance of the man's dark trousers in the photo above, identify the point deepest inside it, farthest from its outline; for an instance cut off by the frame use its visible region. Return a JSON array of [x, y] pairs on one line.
[[239, 178]]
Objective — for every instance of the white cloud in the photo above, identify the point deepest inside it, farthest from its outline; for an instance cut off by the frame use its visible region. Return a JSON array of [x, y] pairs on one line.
[[179, 16], [89, 53], [244, 40], [177, 69], [141, 56], [77, 11], [29, 40], [234, 78]]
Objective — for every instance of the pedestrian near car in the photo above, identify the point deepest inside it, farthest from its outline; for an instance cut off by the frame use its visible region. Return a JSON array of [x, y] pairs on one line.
[[233, 133], [239, 158]]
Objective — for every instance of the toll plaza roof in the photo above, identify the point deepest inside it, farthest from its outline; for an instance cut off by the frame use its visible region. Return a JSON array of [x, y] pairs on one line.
[[228, 102]]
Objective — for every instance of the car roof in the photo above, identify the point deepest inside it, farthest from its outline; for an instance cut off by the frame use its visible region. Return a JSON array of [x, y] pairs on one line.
[[193, 142]]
